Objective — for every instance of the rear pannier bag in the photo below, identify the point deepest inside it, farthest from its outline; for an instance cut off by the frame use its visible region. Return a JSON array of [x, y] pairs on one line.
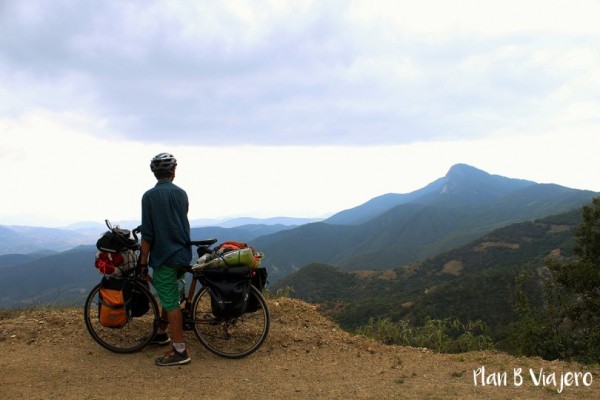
[[258, 280], [114, 302], [229, 290]]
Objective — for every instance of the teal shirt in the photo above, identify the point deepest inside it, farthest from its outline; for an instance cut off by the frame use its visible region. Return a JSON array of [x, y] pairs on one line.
[[165, 224]]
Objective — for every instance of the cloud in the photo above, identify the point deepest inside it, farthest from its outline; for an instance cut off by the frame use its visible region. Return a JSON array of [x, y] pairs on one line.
[[299, 73], [60, 170]]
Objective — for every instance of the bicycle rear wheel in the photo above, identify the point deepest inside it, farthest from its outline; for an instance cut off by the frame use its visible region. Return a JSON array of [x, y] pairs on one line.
[[137, 332], [233, 337]]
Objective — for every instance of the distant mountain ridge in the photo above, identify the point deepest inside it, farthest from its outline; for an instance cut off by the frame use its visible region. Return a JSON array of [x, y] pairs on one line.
[[28, 239], [243, 233], [283, 221], [396, 230], [449, 212], [15, 239], [462, 185]]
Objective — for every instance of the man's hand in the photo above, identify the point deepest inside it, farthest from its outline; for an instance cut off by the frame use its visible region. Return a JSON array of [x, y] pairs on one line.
[[142, 269]]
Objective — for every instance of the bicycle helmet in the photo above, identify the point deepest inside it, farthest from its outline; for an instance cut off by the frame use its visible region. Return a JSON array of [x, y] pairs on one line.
[[163, 162]]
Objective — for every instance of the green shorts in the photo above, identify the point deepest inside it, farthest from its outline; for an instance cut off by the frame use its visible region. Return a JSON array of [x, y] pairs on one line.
[[165, 282]]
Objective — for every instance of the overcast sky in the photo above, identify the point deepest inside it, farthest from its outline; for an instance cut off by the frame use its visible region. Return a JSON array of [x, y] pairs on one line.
[[295, 108]]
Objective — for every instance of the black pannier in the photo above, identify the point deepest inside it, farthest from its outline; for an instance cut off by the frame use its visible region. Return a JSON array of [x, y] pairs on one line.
[[229, 290], [140, 303], [259, 280]]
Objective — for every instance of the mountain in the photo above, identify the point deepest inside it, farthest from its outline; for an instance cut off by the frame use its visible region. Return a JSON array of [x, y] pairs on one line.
[[450, 212], [242, 221], [244, 233], [462, 185], [66, 277], [63, 278], [29, 239], [472, 282], [281, 221], [9, 260]]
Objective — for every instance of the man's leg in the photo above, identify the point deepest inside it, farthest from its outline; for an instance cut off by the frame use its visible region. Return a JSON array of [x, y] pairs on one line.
[[162, 337], [176, 323], [165, 282], [174, 317]]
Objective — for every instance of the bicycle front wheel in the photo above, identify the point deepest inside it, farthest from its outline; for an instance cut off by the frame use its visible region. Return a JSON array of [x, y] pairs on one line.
[[232, 337], [137, 332]]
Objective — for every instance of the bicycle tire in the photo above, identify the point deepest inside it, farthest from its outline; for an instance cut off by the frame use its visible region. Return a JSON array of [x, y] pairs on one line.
[[233, 337], [135, 335]]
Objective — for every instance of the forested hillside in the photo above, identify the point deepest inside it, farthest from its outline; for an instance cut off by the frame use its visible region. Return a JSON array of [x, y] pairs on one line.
[[473, 282]]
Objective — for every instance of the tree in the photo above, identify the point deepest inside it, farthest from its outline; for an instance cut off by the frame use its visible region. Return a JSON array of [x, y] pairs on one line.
[[578, 286], [560, 304]]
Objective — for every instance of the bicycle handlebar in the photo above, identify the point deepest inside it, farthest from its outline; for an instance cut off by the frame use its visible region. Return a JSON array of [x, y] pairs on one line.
[[136, 231]]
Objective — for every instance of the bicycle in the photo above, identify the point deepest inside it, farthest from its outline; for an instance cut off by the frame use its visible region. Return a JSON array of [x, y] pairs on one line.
[[229, 337]]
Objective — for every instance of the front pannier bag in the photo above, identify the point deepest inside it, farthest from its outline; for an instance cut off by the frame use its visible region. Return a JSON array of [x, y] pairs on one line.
[[114, 300]]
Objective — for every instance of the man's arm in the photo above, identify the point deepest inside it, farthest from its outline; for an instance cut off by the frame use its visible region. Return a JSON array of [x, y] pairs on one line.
[[144, 251], [146, 230]]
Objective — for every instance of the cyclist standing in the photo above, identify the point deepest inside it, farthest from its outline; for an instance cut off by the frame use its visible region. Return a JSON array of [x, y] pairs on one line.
[[165, 248]]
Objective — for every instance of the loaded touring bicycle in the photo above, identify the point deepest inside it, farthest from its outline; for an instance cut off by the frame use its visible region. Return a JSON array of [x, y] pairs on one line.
[[223, 304]]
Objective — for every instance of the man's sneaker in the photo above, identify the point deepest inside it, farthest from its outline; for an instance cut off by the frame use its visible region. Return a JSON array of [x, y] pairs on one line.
[[161, 339], [173, 357]]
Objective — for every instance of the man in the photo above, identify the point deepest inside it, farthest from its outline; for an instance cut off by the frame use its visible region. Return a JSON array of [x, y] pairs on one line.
[[165, 248]]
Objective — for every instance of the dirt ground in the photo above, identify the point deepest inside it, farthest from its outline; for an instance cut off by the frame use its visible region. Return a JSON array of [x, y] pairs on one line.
[[48, 354]]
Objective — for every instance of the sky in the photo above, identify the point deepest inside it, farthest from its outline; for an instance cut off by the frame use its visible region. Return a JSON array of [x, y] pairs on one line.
[[288, 108]]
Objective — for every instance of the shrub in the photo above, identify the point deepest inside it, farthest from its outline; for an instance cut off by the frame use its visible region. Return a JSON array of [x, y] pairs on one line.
[[441, 335]]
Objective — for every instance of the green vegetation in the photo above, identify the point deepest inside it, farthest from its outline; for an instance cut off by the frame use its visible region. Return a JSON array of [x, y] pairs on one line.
[[444, 336], [561, 318], [502, 282], [285, 292]]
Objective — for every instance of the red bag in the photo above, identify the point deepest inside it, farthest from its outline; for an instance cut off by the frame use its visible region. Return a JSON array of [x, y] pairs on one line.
[[230, 246], [115, 263]]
